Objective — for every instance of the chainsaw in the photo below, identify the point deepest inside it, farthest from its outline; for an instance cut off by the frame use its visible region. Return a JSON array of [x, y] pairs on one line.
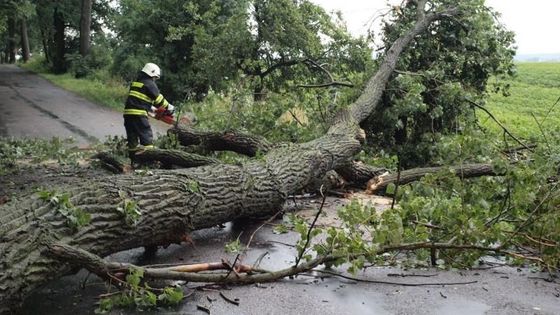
[[168, 117]]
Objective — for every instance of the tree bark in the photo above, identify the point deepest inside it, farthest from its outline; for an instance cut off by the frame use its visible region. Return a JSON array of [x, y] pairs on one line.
[[58, 59], [358, 173], [25, 41], [175, 157], [171, 203], [229, 140], [380, 183], [11, 52], [85, 27]]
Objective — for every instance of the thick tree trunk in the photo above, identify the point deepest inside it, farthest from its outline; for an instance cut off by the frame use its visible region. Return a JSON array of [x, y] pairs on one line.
[[59, 64], [171, 203], [85, 27], [11, 52], [25, 41]]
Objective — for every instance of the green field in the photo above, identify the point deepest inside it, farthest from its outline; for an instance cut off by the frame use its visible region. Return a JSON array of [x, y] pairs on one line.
[[534, 91]]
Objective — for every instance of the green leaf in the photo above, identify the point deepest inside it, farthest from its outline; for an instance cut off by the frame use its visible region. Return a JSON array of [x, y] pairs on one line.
[[171, 296], [280, 229], [390, 190], [105, 306], [233, 247]]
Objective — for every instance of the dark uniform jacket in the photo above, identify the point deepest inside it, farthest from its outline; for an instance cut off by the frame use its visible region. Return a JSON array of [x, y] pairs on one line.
[[143, 94]]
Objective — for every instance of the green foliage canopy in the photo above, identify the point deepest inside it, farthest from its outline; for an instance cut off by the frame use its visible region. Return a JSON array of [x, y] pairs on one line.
[[450, 63]]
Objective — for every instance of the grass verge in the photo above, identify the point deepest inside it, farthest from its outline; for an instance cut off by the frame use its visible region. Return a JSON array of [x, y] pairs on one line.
[[99, 88]]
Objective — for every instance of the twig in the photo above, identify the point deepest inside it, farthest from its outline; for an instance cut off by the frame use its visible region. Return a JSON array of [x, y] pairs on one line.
[[506, 206], [258, 260], [272, 218], [308, 238], [512, 150], [499, 124], [251, 239], [333, 83], [542, 132], [234, 302], [99, 266], [527, 221], [321, 85], [203, 308], [393, 283], [282, 243], [106, 295], [295, 117], [410, 275], [550, 110], [398, 181], [428, 225]]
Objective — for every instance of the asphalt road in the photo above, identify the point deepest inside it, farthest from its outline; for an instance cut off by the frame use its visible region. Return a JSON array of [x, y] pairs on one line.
[[32, 107]]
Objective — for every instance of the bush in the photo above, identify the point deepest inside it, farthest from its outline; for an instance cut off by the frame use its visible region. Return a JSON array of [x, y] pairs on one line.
[[82, 67]]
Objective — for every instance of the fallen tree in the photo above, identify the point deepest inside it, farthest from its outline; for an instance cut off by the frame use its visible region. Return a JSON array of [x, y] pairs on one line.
[[129, 211]]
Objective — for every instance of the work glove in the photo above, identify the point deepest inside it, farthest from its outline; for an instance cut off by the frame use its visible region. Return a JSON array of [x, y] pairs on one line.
[[170, 109]]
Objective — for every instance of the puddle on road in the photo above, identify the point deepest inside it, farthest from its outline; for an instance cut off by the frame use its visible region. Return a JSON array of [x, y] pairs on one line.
[[462, 307], [350, 299]]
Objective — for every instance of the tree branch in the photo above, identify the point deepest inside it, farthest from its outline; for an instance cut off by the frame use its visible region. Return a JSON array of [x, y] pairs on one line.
[[229, 140], [175, 157], [499, 124], [380, 183], [247, 274]]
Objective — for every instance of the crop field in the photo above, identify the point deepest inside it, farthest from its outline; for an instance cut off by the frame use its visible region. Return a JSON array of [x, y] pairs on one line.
[[533, 102]]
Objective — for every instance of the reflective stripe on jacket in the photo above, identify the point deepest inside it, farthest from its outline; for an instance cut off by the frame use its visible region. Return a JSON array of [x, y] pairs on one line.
[[143, 94]]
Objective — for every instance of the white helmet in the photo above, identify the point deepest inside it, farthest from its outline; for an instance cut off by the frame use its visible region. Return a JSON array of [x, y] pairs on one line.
[[151, 69]]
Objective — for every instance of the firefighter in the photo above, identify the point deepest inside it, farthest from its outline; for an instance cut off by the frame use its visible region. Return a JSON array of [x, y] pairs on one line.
[[143, 97]]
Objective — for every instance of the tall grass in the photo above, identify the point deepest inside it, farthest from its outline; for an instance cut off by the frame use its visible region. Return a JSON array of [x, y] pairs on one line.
[[531, 105]]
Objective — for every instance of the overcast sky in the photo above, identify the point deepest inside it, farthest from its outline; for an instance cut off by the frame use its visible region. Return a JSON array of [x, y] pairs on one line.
[[535, 22]]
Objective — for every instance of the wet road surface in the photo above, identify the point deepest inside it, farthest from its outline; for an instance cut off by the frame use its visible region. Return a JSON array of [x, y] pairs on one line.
[[496, 290]]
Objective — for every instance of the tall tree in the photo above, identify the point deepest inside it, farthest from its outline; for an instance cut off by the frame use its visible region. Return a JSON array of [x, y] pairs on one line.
[[59, 23], [59, 43], [25, 10], [11, 47], [85, 27], [437, 74], [24, 40], [208, 44]]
